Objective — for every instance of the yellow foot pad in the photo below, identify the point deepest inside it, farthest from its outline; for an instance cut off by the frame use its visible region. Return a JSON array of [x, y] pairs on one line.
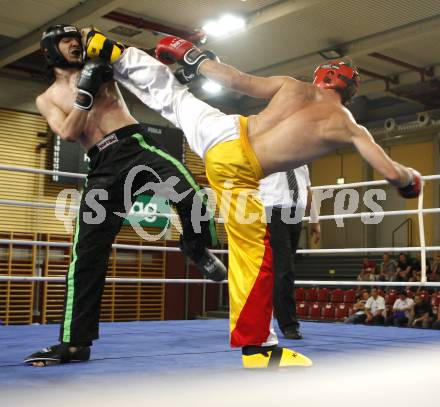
[[278, 357]]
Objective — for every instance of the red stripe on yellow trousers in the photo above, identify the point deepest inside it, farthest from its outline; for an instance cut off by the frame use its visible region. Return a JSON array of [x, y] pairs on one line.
[[252, 327]]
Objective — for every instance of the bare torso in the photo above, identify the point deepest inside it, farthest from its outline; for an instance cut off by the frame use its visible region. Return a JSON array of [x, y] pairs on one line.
[[109, 111], [300, 124]]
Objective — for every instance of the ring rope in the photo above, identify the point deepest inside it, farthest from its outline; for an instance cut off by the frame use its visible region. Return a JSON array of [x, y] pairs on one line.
[[83, 176], [225, 251], [12, 202], [203, 281]]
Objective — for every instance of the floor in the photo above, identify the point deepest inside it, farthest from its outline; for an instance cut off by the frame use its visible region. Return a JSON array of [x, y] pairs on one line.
[[178, 350]]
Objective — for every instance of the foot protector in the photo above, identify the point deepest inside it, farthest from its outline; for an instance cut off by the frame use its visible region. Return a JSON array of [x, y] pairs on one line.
[[274, 358], [60, 353], [211, 267]]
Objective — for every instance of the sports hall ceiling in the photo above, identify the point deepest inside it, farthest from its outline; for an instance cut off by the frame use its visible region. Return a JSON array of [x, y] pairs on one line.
[[394, 42]]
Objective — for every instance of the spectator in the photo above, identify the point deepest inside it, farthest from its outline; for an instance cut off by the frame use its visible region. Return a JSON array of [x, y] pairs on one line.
[[387, 269], [436, 324], [375, 309], [358, 316], [368, 269], [422, 313], [402, 310], [434, 274], [416, 274], [404, 267]]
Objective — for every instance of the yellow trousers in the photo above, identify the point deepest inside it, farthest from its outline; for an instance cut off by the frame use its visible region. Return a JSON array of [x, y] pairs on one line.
[[234, 173]]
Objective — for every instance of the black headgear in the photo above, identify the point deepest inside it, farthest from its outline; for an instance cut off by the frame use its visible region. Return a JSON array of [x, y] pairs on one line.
[[49, 45]]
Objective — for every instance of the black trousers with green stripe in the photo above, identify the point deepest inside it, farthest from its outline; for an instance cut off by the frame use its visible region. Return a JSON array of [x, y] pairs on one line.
[[126, 149]]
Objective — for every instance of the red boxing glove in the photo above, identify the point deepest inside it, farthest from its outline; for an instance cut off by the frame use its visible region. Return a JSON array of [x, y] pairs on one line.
[[413, 189], [174, 49]]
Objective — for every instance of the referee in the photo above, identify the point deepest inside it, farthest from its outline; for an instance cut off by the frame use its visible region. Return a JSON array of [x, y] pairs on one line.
[[287, 195]]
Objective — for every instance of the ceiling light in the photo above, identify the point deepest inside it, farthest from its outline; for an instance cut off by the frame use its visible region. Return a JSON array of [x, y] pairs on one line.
[[225, 25], [340, 181], [332, 53], [212, 87]]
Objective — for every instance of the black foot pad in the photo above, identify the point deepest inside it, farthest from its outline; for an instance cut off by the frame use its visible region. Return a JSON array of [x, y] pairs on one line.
[[211, 267], [60, 353]]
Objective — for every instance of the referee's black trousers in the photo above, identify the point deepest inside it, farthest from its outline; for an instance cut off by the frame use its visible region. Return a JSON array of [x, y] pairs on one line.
[[284, 239]]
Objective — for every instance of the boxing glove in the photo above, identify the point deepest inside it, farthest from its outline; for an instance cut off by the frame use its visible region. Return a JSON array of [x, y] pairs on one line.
[[97, 45], [93, 75], [413, 189], [174, 49]]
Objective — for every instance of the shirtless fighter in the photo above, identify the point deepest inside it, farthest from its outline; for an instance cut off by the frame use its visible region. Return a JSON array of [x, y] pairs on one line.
[[84, 104], [302, 122]]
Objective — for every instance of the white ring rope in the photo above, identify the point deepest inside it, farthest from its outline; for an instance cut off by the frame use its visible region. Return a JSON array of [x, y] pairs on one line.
[[367, 215], [218, 251], [83, 176], [367, 183], [114, 246], [25, 279], [41, 171], [28, 279]]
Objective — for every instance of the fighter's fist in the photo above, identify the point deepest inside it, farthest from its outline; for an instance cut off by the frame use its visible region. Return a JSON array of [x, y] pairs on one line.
[[413, 189], [97, 45], [92, 76], [174, 49]]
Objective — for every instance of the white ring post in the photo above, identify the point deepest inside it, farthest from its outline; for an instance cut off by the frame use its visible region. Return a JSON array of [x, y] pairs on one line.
[[422, 235]]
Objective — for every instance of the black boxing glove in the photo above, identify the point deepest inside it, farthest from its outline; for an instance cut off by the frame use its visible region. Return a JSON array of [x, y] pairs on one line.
[[413, 189], [93, 75], [183, 76]]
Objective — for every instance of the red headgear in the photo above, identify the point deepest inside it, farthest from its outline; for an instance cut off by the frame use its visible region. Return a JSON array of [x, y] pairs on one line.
[[337, 75]]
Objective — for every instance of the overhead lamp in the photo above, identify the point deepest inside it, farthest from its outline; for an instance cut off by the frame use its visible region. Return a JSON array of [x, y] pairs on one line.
[[225, 25], [211, 87], [332, 53]]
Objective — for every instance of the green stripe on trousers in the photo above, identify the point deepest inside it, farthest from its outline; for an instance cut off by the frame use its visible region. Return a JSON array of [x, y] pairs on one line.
[[70, 287], [187, 176]]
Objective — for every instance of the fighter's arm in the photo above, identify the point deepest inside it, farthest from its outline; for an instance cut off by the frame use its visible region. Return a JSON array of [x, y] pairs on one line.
[[195, 62], [251, 85], [395, 173], [68, 126]]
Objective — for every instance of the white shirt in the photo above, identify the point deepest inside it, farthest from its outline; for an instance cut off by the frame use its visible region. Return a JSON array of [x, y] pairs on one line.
[[375, 305], [274, 189], [400, 305]]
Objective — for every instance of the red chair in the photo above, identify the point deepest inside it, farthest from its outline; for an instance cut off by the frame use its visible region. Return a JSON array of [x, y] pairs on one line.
[[310, 294], [328, 312], [299, 294], [342, 311], [323, 294], [350, 296], [337, 296], [316, 311], [302, 310]]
